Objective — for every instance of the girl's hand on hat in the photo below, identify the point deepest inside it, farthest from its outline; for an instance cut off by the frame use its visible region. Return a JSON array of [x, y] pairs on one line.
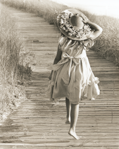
[[86, 20]]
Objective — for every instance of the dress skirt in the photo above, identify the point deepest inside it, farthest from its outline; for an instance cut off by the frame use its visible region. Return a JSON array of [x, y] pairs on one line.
[[73, 78]]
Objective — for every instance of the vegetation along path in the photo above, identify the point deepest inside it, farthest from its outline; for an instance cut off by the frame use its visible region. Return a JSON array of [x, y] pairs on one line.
[[38, 123]]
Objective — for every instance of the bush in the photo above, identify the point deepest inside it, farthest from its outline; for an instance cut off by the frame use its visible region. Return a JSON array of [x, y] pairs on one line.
[[13, 65]]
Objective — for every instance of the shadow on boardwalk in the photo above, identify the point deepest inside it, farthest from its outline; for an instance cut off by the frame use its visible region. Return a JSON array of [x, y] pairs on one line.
[[38, 123]]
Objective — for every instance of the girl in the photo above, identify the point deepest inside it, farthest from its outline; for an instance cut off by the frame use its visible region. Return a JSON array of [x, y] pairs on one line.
[[71, 75]]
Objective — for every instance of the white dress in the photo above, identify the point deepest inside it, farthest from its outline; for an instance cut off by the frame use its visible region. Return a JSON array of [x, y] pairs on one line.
[[72, 76]]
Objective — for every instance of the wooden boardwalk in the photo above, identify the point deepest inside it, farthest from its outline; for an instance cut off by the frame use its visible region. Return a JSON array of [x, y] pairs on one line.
[[39, 124]]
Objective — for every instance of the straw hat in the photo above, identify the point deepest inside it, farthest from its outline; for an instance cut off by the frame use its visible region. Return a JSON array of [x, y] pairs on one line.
[[71, 24]]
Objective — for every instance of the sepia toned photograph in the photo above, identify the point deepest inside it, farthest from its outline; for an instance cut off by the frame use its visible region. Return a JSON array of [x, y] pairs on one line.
[[59, 74]]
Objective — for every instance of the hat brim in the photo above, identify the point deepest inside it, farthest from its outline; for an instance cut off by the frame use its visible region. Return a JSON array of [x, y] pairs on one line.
[[73, 11]]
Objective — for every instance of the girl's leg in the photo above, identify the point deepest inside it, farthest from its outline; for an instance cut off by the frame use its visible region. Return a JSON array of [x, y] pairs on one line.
[[74, 118], [68, 109]]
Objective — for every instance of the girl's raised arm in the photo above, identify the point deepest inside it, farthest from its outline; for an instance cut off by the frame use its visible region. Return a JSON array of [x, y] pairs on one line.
[[97, 32]]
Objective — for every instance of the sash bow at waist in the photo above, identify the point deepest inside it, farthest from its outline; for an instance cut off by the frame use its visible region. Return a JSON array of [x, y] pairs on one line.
[[71, 58], [68, 59]]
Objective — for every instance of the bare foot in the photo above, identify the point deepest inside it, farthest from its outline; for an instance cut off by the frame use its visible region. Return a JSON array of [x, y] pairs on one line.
[[73, 134]]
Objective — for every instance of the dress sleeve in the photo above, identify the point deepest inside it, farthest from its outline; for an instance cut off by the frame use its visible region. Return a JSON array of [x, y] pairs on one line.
[[88, 43]]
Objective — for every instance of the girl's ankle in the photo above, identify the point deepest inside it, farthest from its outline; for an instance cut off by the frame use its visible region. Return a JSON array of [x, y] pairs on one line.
[[72, 129]]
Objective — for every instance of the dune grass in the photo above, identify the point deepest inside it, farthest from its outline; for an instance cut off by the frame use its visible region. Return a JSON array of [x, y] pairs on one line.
[[106, 45], [13, 65]]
